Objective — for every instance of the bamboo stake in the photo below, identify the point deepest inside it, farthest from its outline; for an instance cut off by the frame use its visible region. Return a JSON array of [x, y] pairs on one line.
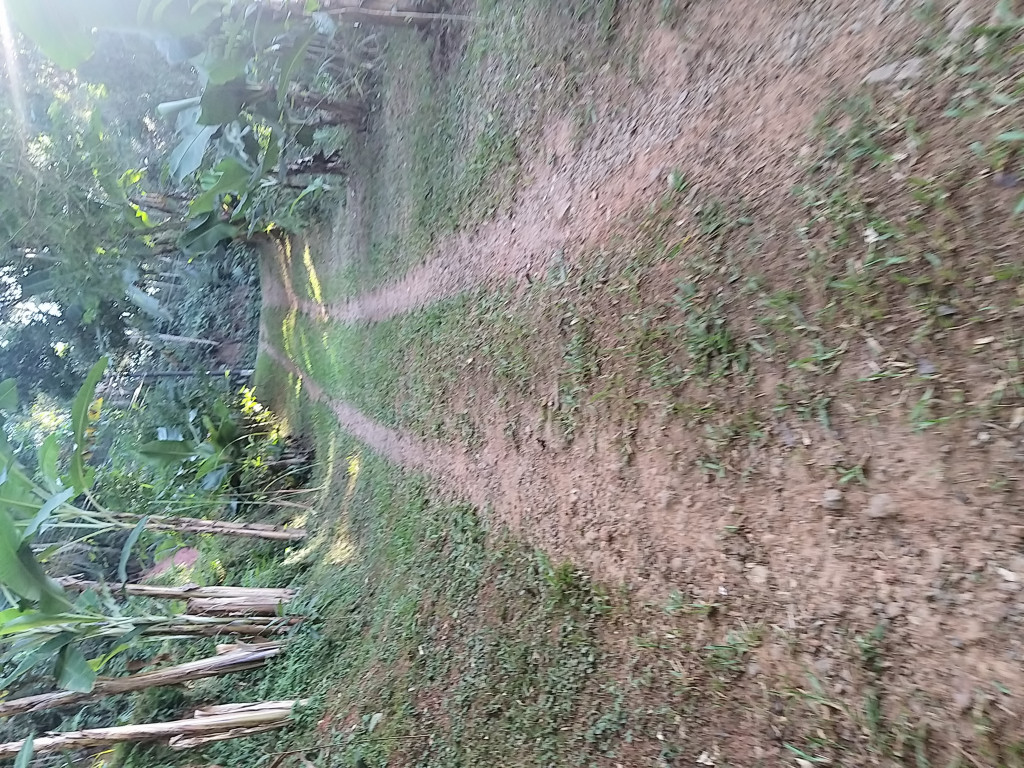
[[232, 725], [235, 661]]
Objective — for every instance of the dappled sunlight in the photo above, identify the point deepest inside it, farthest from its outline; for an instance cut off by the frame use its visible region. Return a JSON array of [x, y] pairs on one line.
[[284, 263], [354, 464], [341, 548], [314, 280], [288, 331]]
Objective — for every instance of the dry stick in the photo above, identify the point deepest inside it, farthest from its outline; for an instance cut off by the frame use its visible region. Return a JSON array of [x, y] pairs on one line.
[[240, 723], [235, 661]]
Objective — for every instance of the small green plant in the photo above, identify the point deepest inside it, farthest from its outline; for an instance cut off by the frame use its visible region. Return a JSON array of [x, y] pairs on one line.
[[870, 647]]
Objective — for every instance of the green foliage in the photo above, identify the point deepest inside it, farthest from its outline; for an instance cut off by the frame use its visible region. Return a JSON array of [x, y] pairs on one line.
[[81, 478]]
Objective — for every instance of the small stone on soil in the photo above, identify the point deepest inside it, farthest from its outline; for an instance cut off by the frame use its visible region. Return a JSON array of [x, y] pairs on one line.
[[911, 69], [881, 506], [832, 499], [758, 575]]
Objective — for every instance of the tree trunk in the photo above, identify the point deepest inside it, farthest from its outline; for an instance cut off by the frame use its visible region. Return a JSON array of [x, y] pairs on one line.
[[235, 661], [241, 720]]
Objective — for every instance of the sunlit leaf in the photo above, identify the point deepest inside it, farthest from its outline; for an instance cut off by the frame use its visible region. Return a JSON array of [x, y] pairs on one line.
[[49, 452]]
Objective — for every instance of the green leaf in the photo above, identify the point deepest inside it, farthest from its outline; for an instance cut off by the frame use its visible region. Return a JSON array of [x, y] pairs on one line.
[[1011, 136], [222, 69], [49, 452], [13, 573], [45, 511], [8, 395], [80, 422], [33, 657], [305, 136], [1019, 208], [188, 155], [289, 67], [180, 19], [148, 304], [222, 103], [24, 758], [169, 451], [26, 621], [57, 27], [126, 550], [206, 235], [228, 176], [73, 672]]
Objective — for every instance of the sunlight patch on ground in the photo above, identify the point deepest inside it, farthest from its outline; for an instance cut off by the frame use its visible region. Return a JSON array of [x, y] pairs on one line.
[[341, 549], [288, 331], [314, 280]]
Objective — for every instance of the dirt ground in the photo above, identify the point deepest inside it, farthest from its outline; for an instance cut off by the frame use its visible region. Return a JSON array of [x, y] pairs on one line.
[[849, 485]]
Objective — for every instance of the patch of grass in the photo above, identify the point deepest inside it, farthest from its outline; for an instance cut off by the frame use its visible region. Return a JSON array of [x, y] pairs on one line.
[[712, 349], [579, 368]]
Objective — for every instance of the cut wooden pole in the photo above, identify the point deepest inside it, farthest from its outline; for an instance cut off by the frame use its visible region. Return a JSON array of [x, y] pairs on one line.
[[396, 18], [234, 661], [240, 722], [198, 525], [234, 606], [187, 592], [187, 625]]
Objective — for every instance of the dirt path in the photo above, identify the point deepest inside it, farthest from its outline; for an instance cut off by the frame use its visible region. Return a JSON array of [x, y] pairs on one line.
[[930, 549], [728, 105]]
